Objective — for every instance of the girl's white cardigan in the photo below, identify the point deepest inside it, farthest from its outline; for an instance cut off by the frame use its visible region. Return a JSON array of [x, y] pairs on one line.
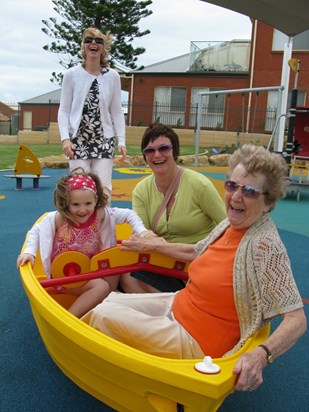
[[41, 235]]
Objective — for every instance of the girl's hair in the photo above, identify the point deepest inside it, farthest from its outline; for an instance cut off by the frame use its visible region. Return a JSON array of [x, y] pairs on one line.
[[61, 193], [257, 159], [156, 130], [107, 39]]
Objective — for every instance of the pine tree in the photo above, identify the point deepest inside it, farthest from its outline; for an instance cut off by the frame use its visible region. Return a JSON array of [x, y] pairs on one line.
[[120, 17]]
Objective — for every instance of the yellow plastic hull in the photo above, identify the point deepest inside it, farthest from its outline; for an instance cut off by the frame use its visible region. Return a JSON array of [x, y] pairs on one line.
[[120, 376]]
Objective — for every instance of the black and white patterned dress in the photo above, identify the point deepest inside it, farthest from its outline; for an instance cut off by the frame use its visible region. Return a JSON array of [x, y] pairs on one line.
[[89, 141]]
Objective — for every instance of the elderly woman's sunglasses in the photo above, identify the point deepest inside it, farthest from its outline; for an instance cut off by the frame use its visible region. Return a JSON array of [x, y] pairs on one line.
[[162, 149], [247, 191], [98, 40]]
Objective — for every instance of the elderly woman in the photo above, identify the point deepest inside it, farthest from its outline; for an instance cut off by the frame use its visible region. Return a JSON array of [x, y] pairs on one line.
[[240, 278], [180, 205]]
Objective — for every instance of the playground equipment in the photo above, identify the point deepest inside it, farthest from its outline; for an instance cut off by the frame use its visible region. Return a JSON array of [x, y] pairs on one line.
[[299, 166], [27, 166], [120, 376]]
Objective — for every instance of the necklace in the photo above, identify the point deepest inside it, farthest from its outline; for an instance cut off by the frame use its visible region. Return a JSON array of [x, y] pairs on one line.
[[231, 235]]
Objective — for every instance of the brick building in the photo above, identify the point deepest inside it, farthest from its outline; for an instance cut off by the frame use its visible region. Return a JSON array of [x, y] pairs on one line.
[[167, 91]]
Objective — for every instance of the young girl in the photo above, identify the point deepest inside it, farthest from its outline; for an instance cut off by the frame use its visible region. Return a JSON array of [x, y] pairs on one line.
[[83, 223]]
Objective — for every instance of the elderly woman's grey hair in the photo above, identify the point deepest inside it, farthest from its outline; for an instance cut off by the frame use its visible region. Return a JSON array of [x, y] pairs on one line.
[[257, 159]]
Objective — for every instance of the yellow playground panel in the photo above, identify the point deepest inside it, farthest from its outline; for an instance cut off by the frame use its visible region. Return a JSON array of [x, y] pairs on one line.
[[27, 166]]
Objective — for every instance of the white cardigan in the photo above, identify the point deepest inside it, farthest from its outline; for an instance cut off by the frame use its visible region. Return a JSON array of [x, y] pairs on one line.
[[75, 87], [42, 234]]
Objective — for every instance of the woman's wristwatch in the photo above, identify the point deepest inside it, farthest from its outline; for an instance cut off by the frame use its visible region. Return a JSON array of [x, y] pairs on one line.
[[269, 356]]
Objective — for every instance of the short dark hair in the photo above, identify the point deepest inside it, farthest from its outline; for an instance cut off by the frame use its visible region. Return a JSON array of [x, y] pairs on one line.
[[156, 130]]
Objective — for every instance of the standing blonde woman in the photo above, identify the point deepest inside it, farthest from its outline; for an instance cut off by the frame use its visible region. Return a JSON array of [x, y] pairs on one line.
[[90, 116]]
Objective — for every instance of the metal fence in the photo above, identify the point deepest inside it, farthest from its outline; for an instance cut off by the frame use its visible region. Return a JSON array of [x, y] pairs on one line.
[[10, 127], [232, 119]]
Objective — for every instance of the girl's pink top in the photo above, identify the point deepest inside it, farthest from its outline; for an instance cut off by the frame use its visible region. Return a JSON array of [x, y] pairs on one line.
[[85, 238]]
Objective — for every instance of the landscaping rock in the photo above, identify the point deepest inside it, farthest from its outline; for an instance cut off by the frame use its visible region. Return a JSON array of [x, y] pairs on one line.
[[61, 161], [220, 160], [55, 162]]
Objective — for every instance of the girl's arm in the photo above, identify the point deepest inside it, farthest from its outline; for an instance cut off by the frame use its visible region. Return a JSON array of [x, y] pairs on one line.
[[123, 215], [32, 246], [34, 235]]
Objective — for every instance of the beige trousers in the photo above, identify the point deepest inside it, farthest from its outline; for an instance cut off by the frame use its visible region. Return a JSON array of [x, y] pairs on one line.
[[146, 322], [102, 167]]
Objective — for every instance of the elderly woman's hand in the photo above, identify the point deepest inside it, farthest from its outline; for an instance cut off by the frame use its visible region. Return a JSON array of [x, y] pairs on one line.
[[140, 243], [249, 370]]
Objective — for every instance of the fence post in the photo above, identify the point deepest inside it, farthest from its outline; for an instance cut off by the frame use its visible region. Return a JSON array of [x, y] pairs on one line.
[[198, 128]]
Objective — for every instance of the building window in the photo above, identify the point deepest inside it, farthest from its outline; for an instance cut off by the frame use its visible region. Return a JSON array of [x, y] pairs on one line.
[[212, 108], [300, 41], [170, 105]]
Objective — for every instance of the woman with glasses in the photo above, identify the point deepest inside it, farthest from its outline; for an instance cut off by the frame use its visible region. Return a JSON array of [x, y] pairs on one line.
[[240, 279], [90, 116], [189, 203]]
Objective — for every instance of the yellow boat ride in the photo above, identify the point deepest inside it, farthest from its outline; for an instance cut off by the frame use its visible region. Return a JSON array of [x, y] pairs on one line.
[[120, 376]]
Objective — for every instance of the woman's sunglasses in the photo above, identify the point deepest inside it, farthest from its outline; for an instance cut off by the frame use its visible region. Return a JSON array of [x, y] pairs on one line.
[[98, 40], [247, 191], [162, 149]]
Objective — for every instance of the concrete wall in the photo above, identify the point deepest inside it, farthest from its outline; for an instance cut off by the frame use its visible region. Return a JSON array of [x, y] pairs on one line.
[[207, 138], [135, 133]]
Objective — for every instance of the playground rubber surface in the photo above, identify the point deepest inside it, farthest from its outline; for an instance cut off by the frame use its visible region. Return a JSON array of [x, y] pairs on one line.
[[30, 381]]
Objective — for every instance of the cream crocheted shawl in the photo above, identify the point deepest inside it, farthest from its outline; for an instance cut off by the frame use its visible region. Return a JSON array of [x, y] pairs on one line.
[[263, 282]]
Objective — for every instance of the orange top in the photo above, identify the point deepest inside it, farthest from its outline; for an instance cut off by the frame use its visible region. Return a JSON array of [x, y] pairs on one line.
[[206, 307]]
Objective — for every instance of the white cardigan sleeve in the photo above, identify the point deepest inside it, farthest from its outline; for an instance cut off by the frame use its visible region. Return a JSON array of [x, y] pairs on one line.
[[65, 106], [129, 216], [115, 216], [41, 236]]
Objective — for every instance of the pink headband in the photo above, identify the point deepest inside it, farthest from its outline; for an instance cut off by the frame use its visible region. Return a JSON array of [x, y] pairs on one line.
[[82, 182]]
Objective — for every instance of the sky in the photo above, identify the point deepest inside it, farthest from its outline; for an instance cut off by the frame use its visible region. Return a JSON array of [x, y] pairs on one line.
[[25, 68]]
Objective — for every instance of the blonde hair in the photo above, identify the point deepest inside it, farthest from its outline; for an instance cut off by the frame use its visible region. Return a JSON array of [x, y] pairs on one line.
[[107, 38], [257, 159], [61, 193]]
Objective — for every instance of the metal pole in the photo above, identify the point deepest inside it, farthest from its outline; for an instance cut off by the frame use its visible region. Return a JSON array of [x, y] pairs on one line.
[[48, 125], [277, 141], [290, 135], [198, 128]]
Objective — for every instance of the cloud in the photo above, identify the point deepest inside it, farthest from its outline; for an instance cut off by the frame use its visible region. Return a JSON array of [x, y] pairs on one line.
[[175, 23], [25, 68]]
